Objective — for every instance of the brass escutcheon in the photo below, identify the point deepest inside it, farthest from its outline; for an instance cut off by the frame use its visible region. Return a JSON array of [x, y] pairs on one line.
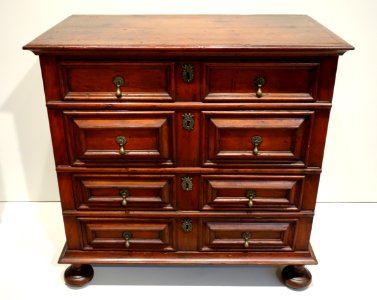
[[187, 225], [188, 121], [186, 183], [187, 73]]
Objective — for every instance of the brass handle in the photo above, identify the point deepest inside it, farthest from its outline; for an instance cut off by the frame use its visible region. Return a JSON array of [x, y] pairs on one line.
[[124, 194], [121, 141], [256, 141], [250, 195], [118, 82], [246, 236], [259, 82], [127, 236]]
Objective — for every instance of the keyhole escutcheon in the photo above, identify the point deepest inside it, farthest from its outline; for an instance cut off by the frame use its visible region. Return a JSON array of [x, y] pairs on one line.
[[188, 121], [187, 225]]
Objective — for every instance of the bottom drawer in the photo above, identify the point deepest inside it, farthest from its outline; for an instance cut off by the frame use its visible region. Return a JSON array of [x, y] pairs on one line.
[[248, 235], [131, 234]]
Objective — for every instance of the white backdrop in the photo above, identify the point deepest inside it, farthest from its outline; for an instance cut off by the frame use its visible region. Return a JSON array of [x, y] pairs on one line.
[[26, 161]]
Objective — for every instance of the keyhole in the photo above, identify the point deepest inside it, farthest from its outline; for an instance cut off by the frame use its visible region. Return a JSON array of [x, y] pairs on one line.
[[188, 123], [186, 186], [187, 227]]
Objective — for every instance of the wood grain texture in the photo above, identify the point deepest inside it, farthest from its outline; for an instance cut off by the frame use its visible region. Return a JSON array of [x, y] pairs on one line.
[[189, 32]]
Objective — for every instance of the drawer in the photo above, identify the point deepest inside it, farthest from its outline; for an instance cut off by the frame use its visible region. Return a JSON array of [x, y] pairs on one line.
[[252, 192], [248, 235], [151, 81], [124, 192], [256, 137], [279, 81], [120, 138], [127, 235]]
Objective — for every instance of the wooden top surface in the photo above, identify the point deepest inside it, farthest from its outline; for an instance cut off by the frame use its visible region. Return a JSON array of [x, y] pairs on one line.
[[188, 32]]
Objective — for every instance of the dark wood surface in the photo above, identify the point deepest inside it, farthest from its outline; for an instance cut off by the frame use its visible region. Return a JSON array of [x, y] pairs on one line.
[[295, 55]]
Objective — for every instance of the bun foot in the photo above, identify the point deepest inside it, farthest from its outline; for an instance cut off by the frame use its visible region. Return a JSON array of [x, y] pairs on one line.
[[78, 275], [296, 277]]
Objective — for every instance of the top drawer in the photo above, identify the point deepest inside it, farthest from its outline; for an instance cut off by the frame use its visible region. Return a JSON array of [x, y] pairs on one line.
[[117, 81], [261, 82]]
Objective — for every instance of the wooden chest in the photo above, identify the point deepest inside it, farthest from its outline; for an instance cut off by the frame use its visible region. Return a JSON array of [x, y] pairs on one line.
[[188, 139]]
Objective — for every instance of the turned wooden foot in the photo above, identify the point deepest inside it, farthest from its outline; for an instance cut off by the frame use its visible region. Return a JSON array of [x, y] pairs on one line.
[[296, 276], [78, 275]]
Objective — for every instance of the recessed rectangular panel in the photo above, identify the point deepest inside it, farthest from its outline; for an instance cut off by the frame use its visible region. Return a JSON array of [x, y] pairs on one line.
[[97, 81], [278, 81], [252, 192], [124, 192], [127, 234], [248, 234], [147, 138], [256, 137]]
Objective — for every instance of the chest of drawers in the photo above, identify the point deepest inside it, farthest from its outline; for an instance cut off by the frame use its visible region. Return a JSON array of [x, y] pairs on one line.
[[188, 139]]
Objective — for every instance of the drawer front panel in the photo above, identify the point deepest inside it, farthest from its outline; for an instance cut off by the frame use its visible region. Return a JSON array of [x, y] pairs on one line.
[[93, 138], [248, 235], [128, 235], [252, 192], [228, 137], [282, 81], [124, 192], [95, 81]]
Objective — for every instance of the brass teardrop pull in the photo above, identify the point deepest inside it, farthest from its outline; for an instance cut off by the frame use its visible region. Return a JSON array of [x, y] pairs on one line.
[[118, 82], [246, 236], [124, 194], [127, 236], [259, 82], [121, 141], [250, 195], [256, 141]]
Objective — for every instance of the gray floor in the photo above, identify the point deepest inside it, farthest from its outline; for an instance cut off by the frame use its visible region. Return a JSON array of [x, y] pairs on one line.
[[344, 239]]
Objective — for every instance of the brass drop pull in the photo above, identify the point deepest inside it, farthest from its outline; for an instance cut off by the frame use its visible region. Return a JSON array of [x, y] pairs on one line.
[[246, 236], [121, 141], [118, 82], [124, 194], [256, 141], [250, 195], [127, 236], [259, 83]]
